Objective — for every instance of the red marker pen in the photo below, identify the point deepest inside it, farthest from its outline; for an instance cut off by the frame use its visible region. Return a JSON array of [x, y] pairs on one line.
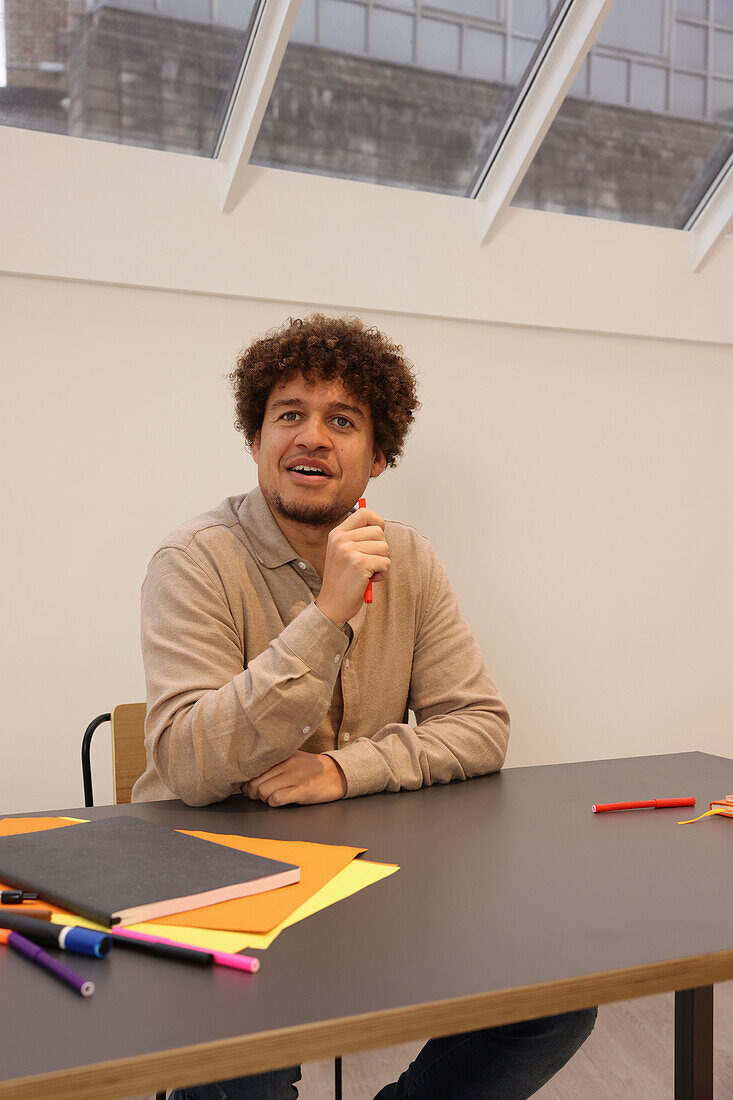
[[368, 593], [652, 804]]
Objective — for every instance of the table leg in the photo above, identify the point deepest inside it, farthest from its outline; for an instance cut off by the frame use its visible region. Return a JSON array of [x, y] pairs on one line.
[[693, 1044], [337, 1078]]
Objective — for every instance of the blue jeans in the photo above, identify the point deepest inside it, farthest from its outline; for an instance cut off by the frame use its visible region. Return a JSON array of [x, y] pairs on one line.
[[502, 1063], [279, 1084]]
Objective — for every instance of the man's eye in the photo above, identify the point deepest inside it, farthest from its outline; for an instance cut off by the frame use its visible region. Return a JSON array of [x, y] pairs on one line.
[[346, 424], [291, 413]]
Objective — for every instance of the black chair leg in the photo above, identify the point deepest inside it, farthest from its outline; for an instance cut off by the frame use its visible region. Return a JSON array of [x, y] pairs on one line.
[[337, 1078]]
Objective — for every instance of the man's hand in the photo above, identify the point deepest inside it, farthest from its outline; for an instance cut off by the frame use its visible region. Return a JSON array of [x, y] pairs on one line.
[[356, 553], [304, 777]]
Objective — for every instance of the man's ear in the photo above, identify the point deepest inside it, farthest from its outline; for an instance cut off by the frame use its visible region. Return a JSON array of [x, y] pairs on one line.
[[378, 464], [256, 447]]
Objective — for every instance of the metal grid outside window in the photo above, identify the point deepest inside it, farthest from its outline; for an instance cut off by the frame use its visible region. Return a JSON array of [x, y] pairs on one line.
[[225, 13], [693, 77], [495, 45], [690, 74]]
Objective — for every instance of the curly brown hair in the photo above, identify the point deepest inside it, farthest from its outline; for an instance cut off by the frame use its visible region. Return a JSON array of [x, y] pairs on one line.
[[370, 367]]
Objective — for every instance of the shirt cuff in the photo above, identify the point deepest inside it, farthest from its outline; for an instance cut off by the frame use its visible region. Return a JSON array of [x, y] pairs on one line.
[[317, 641], [364, 769]]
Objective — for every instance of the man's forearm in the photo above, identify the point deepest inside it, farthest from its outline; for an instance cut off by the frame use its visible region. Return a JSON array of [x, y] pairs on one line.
[[458, 745], [213, 725]]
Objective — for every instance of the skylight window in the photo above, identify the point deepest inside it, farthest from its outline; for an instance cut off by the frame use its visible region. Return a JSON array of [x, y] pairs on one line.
[[399, 92], [446, 96], [648, 122], [158, 73], [3, 67]]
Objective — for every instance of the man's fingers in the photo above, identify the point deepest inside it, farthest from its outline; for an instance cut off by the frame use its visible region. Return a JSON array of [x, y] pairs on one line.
[[362, 517], [378, 562], [252, 790], [366, 538], [260, 792], [364, 534], [371, 550], [270, 786], [284, 796], [375, 559], [253, 787]]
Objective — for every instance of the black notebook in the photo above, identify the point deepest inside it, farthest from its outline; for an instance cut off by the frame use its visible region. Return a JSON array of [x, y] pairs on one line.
[[121, 870]]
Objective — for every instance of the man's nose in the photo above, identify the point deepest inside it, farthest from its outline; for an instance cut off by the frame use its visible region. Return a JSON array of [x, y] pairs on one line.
[[313, 433]]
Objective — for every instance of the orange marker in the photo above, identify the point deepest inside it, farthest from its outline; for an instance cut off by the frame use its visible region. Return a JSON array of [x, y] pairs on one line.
[[368, 593]]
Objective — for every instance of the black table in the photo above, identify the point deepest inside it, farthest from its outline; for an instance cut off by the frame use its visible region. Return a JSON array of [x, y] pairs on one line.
[[513, 901]]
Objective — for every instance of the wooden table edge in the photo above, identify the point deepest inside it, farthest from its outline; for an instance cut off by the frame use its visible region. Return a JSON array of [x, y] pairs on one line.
[[240, 1055]]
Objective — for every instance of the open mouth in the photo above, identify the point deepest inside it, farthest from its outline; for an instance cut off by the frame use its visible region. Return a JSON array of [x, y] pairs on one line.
[[306, 475]]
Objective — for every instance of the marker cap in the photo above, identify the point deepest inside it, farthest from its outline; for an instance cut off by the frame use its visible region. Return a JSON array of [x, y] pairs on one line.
[[85, 941]]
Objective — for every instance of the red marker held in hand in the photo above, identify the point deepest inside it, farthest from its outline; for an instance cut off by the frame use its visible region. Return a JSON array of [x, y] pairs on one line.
[[368, 593]]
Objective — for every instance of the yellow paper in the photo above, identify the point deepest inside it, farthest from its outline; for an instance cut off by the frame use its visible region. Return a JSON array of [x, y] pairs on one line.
[[353, 878], [357, 876], [708, 813]]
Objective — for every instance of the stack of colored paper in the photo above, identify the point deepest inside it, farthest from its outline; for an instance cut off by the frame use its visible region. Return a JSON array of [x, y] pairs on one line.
[[328, 874]]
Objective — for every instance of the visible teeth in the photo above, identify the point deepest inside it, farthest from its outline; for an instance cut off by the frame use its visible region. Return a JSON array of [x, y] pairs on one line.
[[308, 469]]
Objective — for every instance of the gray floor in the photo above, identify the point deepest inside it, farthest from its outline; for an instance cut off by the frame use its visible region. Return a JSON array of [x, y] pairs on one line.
[[629, 1056]]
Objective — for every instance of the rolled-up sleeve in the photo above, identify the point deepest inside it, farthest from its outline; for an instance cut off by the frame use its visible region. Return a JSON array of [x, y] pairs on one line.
[[215, 718], [462, 723]]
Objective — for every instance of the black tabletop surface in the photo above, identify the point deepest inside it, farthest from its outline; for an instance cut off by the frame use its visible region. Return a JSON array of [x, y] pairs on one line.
[[507, 880]]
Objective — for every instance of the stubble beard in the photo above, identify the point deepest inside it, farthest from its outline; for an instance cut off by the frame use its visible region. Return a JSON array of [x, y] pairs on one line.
[[312, 514]]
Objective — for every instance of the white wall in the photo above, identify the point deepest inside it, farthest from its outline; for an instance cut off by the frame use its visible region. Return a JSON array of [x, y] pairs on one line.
[[129, 216], [577, 487]]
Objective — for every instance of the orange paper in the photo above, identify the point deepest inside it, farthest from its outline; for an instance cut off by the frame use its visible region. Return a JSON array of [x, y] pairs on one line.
[[262, 912], [318, 863], [14, 826]]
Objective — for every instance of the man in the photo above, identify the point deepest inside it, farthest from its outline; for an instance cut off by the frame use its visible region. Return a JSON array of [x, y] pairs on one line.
[[267, 674]]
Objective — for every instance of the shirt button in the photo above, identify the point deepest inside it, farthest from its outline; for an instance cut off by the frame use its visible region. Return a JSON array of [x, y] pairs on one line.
[[336, 659], [347, 736], [302, 565], [346, 662], [306, 729]]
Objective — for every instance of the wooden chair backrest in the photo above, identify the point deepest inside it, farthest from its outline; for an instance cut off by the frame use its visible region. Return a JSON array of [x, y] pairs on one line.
[[128, 748]]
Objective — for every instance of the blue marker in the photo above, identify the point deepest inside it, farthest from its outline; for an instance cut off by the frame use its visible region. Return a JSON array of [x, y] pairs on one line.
[[69, 937]]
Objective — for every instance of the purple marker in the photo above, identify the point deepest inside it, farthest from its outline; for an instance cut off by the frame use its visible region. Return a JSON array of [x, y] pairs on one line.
[[37, 955]]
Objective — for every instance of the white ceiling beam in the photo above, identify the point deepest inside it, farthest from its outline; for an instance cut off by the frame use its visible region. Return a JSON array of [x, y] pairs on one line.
[[714, 218], [537, 104], [258, 74]]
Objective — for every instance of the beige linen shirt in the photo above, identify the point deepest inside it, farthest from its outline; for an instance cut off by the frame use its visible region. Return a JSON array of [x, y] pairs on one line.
[[242, 668]]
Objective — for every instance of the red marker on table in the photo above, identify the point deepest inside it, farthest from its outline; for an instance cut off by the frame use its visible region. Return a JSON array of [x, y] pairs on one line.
[[652, 804], [368, 593]]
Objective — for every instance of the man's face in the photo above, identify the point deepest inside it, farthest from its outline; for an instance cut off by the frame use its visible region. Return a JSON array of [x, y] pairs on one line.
[[319, 425]]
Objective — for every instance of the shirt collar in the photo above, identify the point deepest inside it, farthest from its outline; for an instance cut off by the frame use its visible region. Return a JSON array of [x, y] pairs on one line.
[[260, 526]]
